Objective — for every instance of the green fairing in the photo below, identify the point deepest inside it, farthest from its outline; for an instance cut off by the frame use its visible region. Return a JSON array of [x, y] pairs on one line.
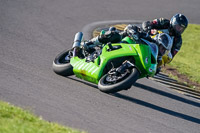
[[128, 40], [93, 71]]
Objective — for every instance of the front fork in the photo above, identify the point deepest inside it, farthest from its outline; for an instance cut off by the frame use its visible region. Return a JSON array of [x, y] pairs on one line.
[[122, 69]]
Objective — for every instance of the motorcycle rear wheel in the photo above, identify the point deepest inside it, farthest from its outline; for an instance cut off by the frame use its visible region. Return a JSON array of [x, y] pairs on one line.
[[123, 84], [61, 64]]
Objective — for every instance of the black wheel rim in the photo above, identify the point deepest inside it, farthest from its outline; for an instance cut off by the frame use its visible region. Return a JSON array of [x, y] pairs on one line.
[[65, 58], [115, 78]]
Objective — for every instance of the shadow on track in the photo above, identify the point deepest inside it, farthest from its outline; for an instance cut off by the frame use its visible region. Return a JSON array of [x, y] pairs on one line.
[[147, 88], [155, 107], [166, 94], [152, 106], [84, 82], [180, 87]]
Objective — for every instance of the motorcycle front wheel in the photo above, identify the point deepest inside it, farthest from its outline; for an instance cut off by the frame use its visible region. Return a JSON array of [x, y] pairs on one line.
[[108, 84], [61, 64]]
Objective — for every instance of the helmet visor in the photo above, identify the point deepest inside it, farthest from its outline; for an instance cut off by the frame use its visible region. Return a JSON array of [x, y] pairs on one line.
[[179, 29]]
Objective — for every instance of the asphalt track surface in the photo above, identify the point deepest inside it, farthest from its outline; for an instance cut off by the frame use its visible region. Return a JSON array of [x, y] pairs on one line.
[[33, 32]]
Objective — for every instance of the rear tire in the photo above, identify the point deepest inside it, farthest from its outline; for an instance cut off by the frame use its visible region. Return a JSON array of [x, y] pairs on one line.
[[124, 84], [61, 65]]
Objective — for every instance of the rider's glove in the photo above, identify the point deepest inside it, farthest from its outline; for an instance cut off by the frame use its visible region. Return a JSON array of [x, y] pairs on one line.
[[130, 27], [133, 31], [134, 34]]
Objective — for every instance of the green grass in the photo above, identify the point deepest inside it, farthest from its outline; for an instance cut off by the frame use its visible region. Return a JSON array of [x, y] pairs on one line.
[[16, 120], [187, 61]]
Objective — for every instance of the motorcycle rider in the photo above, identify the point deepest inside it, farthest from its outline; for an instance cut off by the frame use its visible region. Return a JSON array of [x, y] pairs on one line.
[[174, 27]]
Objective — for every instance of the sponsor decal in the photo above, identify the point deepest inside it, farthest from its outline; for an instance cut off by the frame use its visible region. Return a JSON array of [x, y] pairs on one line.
[[146, 60], [130, 47]]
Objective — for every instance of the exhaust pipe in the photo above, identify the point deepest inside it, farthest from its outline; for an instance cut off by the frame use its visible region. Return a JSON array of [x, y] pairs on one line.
[[77, 43], [77, 39]]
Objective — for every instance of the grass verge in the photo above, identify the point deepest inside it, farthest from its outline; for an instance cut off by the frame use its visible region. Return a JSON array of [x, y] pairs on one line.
[[15, 120], [187, 61]]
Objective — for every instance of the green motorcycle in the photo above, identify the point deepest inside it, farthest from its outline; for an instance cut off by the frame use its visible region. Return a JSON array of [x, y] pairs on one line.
[[114, 67]]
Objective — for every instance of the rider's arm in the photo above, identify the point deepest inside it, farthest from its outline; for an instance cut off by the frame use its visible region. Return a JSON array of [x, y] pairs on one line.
[[161, 23], [138, 32], [109, 36], [147, 37], [176, 46]]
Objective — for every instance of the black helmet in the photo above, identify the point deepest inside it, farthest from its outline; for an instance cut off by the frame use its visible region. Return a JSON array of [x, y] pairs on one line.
[[179, 23]]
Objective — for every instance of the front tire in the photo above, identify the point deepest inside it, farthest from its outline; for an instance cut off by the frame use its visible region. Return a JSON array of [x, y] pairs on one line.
[[61, 64], [124, 84]]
